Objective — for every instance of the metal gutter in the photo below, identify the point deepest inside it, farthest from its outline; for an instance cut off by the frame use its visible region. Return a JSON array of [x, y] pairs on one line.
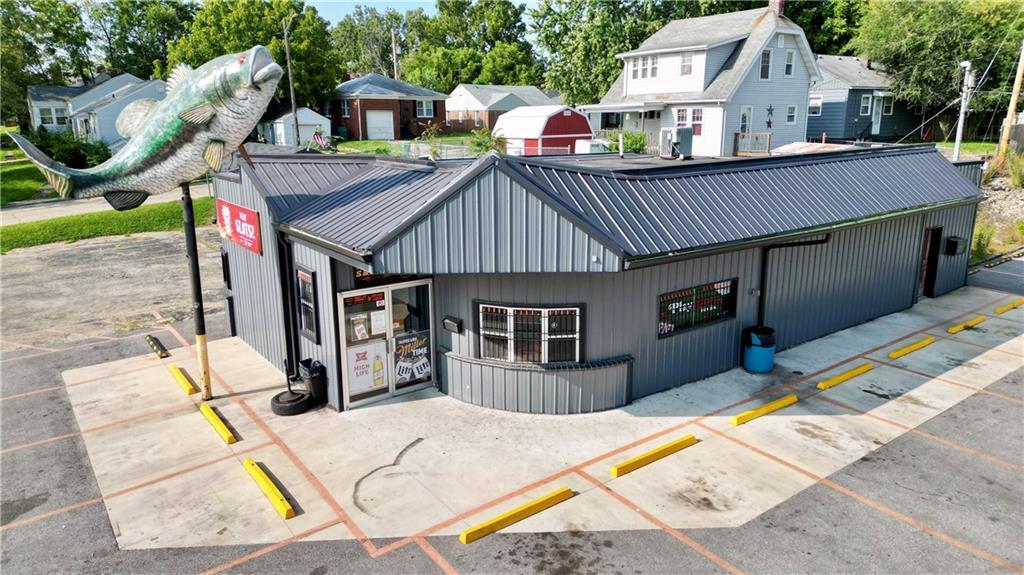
[[357, 259], [639, 262]]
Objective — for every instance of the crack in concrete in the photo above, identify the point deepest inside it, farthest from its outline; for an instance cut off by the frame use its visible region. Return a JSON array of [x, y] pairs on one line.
[[395, 463]]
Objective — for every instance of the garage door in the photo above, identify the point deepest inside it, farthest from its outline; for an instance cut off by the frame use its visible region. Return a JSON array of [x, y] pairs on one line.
[[380, 125]]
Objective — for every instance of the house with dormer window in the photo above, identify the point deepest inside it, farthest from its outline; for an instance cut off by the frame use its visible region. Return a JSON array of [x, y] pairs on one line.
[[740, 80]]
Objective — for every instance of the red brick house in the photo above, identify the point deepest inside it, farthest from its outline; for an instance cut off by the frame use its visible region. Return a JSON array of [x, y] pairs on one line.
[[375, 107]]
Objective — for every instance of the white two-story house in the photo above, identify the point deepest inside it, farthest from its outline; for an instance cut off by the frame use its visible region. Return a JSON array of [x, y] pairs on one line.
[[740, 80]]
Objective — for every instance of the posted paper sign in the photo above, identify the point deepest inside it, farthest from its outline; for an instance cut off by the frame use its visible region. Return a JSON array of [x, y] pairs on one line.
[[367, 368], [412, 357], [239, 225]]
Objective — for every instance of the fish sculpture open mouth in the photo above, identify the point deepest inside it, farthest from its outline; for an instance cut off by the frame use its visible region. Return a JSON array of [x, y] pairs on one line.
[[206, 113]]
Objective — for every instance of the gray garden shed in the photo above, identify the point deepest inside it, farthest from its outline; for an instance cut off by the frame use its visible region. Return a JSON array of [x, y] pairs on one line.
[[572, 284]]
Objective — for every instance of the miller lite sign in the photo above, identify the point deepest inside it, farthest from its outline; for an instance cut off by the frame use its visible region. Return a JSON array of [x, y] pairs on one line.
[[239, 225]]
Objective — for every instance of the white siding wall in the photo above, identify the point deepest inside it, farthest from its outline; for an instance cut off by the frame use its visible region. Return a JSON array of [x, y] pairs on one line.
[[778, 92], [668, 79], [709, 142], [51, 105], [106, 117]]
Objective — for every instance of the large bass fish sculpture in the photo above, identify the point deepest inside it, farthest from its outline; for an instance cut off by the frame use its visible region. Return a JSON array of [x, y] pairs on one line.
[[206, 114]]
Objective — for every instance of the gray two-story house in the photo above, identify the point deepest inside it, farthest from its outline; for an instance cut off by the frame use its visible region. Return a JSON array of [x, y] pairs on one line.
[[740, 80], [852, 101]]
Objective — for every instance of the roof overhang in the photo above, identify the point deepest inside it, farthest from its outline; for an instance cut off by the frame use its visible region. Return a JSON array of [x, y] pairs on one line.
[[684, 48], [623, 107]]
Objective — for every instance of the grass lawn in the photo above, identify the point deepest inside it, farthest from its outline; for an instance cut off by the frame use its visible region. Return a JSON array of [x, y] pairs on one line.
[[378, 147], [154, 218], [971, 147], [19, 181]]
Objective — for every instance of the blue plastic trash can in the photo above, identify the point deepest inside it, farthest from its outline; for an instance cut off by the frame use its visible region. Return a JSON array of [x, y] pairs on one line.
[[758, 349]]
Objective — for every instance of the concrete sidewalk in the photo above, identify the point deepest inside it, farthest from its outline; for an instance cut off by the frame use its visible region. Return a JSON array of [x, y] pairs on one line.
[[36, 210], [426, 464]]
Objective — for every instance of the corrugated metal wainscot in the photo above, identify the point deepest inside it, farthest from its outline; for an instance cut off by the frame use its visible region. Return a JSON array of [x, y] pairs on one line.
[[955, 222], [255, 289]]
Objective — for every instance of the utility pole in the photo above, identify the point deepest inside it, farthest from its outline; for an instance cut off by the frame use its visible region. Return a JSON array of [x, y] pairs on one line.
[[394, 53], [1004, 138], [965, 98], [192, 252], [286, 24]]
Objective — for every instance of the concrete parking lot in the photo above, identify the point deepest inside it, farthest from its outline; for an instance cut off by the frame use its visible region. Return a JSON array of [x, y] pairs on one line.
[[913, 467]]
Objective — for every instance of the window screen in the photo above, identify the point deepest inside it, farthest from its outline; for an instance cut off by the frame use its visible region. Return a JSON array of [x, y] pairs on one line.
[[694, 306], [766, 64], [529, 334]]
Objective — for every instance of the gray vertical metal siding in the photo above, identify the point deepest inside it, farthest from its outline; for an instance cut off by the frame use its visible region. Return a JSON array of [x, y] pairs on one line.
[[861, 274], [327, 350], [958, 222], [259, 312], [972, 169], [494, 225], [620, 316]]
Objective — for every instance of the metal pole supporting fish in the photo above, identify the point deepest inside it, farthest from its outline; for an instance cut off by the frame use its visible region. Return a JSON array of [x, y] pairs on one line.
[[188, 215]]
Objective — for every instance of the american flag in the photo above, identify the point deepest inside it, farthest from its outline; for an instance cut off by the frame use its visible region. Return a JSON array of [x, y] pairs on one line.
[[319, 140]]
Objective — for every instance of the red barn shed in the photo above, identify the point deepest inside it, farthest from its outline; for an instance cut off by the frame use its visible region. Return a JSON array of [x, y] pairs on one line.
[[543, 130]]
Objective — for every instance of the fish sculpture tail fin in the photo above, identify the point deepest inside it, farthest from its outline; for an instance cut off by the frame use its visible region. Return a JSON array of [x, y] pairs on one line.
[[58, 175]]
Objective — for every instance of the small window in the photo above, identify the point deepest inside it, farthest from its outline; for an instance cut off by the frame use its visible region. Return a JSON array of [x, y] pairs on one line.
[[781, 42], [46, 116], [447, 118], [791, 114], [746, 113], [424, 108], [225, 268], [766, 65], [654, 66], [688, 308], [865, 105], [696, 120], [814, 106], [636, 68], [680, 117], [61, 116], [790, 60], [643, 67], [887, 106], [344, 108], [476, 118], [530, 335], [306, 287], [461, 117], [686, 65]]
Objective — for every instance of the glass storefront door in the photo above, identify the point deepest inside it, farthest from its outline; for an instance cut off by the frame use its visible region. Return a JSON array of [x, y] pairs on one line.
[[387, 346]]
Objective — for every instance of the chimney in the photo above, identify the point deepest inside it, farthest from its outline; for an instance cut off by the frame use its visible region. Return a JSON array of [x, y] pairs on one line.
[[776, 6]]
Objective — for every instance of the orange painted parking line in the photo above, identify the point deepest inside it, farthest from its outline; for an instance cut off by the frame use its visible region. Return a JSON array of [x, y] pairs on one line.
[[74, 347], [95, 500], [704, 551], [436, 556], [270, 548], [872, 503], [941, 379], [108, 425], [973, 344], [28, 345], [925, 434], [77, 383]]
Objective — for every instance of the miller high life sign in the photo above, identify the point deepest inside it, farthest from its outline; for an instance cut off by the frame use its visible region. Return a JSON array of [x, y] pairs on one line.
[[239, 225]]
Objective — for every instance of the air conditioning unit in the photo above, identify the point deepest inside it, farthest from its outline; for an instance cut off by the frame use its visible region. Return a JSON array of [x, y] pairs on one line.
[[684, 143], [666, 143]]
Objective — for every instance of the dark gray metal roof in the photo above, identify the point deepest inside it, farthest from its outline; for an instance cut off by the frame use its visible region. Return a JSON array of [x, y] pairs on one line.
[[45, 93], [851, 72], [378, 85], [290, 181], [359, 210], [668, 210]]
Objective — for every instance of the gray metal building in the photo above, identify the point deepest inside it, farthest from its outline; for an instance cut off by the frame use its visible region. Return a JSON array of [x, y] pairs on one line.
[[577, 283]]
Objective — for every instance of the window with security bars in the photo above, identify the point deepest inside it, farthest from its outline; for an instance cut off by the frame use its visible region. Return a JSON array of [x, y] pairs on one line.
[[530, 334], [687, 308]]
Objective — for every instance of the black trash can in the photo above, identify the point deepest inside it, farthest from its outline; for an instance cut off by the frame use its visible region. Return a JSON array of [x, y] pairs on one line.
[[314, 377], [759, 349]]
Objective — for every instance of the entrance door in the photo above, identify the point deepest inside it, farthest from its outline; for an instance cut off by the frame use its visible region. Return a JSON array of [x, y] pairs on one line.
[[876, 115], [380, 125], [929, 262], [387, 344]]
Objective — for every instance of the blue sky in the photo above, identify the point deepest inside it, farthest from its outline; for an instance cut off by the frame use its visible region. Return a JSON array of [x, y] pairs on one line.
[[334, 10]]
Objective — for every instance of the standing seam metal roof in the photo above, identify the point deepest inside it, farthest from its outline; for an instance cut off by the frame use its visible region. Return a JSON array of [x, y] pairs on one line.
[[289, 182], [729, 202]]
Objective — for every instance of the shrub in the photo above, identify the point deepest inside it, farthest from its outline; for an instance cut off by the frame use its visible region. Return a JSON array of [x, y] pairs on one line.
[[483, 140], [1015, 169], [983, 234], [634, 142], [68, 150]]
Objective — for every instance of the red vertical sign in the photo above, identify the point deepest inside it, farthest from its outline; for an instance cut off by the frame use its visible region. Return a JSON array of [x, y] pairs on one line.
[[239, 225]]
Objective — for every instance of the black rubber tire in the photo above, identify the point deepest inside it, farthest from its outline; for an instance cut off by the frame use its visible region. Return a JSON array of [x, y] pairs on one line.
[[302, 405]]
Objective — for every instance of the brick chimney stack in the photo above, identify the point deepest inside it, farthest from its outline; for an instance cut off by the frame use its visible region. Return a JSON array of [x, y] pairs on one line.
[[777, 6]]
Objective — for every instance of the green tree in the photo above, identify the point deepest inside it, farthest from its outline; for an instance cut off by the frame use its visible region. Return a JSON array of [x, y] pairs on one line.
[[510, 64], [442, 69], [61, 36], [363, 40], [921, 43], [829, 25], [134, 34], [19, 60], [223, 26]]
